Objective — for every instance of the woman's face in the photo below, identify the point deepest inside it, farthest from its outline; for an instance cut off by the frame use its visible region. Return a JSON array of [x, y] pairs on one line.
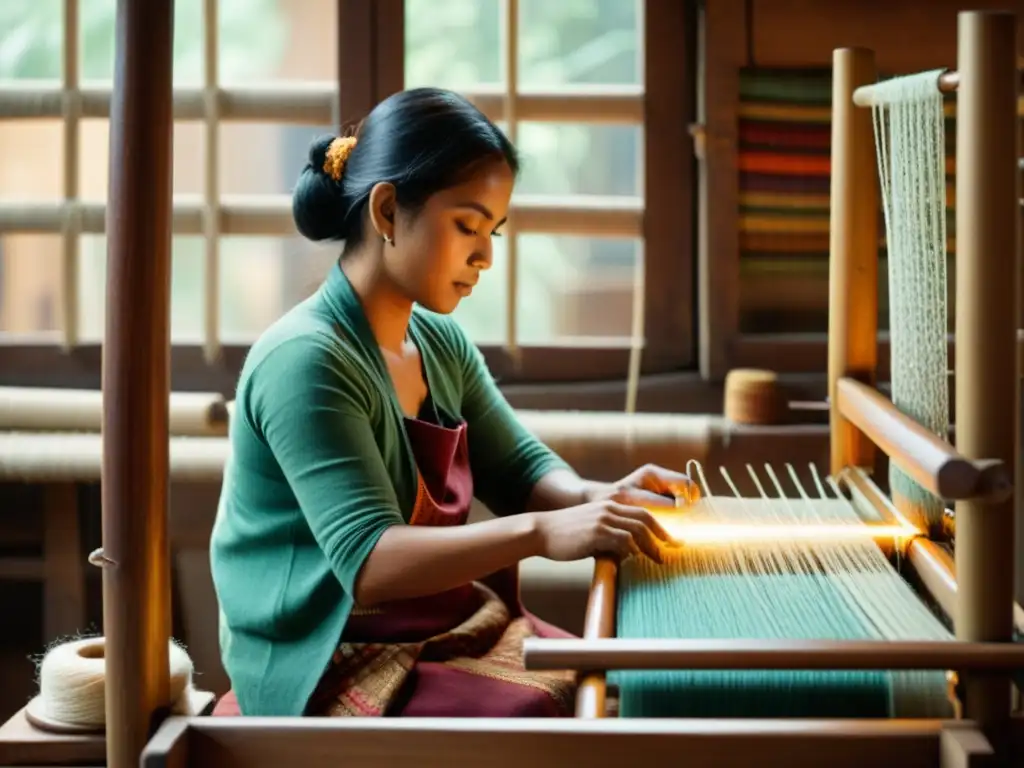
[[440, 251]]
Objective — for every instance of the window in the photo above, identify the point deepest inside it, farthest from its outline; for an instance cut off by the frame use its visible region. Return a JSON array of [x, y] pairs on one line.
[[281, 45], [565, 80]]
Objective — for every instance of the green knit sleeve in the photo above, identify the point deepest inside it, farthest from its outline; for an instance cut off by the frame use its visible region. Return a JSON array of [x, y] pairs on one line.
[[314, 413], [507, 460]]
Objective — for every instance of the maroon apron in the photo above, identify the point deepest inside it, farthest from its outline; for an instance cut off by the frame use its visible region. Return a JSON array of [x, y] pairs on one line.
[[454, 654]]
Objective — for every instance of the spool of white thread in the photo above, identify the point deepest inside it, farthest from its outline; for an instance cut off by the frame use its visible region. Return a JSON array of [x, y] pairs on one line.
[[72, 687]]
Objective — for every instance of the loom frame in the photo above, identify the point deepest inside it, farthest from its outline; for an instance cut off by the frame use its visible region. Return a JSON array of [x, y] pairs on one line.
[[135, 543], [976, 474]]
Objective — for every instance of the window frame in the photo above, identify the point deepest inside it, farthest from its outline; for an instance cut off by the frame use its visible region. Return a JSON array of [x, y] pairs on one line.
[[371, 39]]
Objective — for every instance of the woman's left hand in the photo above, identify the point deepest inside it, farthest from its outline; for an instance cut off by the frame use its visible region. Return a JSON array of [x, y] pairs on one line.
[[651, 487]]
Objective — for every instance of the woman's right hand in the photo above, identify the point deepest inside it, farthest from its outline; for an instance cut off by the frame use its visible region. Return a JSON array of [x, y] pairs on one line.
[[601, 528]]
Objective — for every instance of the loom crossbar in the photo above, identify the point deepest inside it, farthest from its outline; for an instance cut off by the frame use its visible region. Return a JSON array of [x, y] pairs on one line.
[[930, 460], [629, 653], [433, 743], [946, 82]]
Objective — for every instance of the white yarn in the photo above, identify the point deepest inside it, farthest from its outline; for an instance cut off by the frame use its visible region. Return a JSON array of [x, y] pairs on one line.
[[911, 148], [72, 683]]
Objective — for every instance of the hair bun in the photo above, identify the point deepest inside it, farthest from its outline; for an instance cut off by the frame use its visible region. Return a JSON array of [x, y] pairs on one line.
[[318, 152], [317, 200]]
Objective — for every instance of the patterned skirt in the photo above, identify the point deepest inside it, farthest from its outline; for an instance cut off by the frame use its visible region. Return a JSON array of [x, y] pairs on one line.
[[473, 669]]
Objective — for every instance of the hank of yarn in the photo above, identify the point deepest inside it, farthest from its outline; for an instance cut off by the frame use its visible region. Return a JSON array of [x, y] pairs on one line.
[[72, 683], [754, 397]]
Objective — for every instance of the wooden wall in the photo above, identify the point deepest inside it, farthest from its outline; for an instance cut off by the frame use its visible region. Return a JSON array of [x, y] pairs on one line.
[[906, 35]]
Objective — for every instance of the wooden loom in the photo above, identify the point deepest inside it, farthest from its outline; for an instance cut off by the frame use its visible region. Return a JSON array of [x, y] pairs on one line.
[[975, 474], [136, 579]]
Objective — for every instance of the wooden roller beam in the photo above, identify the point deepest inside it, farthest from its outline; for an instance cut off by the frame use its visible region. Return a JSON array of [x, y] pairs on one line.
[[46, 409], [947, 82], [232, 742], [931, 461], [768, 654]]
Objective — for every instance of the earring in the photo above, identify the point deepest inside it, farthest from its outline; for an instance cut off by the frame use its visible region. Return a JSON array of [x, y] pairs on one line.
[[388, 240]]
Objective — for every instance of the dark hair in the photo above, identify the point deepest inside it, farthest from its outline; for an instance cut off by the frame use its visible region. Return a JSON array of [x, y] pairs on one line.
[[422, 141]]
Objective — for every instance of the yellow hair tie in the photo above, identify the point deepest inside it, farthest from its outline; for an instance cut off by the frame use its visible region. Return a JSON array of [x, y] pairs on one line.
[[337, 156]]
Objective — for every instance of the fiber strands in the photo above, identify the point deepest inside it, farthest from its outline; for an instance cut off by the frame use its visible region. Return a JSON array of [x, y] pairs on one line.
[[828, 588]]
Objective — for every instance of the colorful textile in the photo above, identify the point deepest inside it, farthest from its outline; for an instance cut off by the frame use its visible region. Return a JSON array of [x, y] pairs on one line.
[[783, 160]]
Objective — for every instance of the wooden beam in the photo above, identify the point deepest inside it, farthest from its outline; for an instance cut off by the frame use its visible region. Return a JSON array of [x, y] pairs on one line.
[[722, 53], [670, 64], [136, 380], [599, 743]]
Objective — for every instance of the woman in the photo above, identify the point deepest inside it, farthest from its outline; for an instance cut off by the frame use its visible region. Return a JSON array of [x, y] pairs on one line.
[[365, 423]]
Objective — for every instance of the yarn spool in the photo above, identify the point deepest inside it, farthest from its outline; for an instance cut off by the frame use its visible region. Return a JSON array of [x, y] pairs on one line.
[[72, 687], [754, 397]]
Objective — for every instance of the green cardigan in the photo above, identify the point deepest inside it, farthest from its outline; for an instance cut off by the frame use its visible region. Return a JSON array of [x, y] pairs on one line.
[[320, 466]]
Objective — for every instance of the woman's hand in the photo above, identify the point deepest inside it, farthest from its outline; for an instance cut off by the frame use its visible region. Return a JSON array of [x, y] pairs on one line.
[[650, 487], [604, 527]]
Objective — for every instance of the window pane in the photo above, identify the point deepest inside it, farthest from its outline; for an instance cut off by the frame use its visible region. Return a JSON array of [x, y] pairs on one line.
[[94, 159], [261, 278], [483, 315], [96, 32], [29, 283], [572, 287], [31, 160], [579, 158], [579, 41], [278, 40], [453, 44], [32, 42], [257, 40], [264, 159], [187, 306]]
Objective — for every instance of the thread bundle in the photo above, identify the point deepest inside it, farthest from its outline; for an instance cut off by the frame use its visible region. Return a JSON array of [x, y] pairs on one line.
[[826, 588], [72, 686]]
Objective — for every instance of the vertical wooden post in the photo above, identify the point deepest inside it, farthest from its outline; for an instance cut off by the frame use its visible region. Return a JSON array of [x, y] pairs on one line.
[[371, 56], [669, 31], [987, 231], [136, 579], [853, 251], [722, 52]]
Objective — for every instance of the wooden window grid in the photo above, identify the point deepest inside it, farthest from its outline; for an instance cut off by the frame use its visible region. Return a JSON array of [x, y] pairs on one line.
[[371, 43]]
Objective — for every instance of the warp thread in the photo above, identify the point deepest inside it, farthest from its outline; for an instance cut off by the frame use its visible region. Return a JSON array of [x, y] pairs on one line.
[[72, 683], [910, 143], [813, 589]]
